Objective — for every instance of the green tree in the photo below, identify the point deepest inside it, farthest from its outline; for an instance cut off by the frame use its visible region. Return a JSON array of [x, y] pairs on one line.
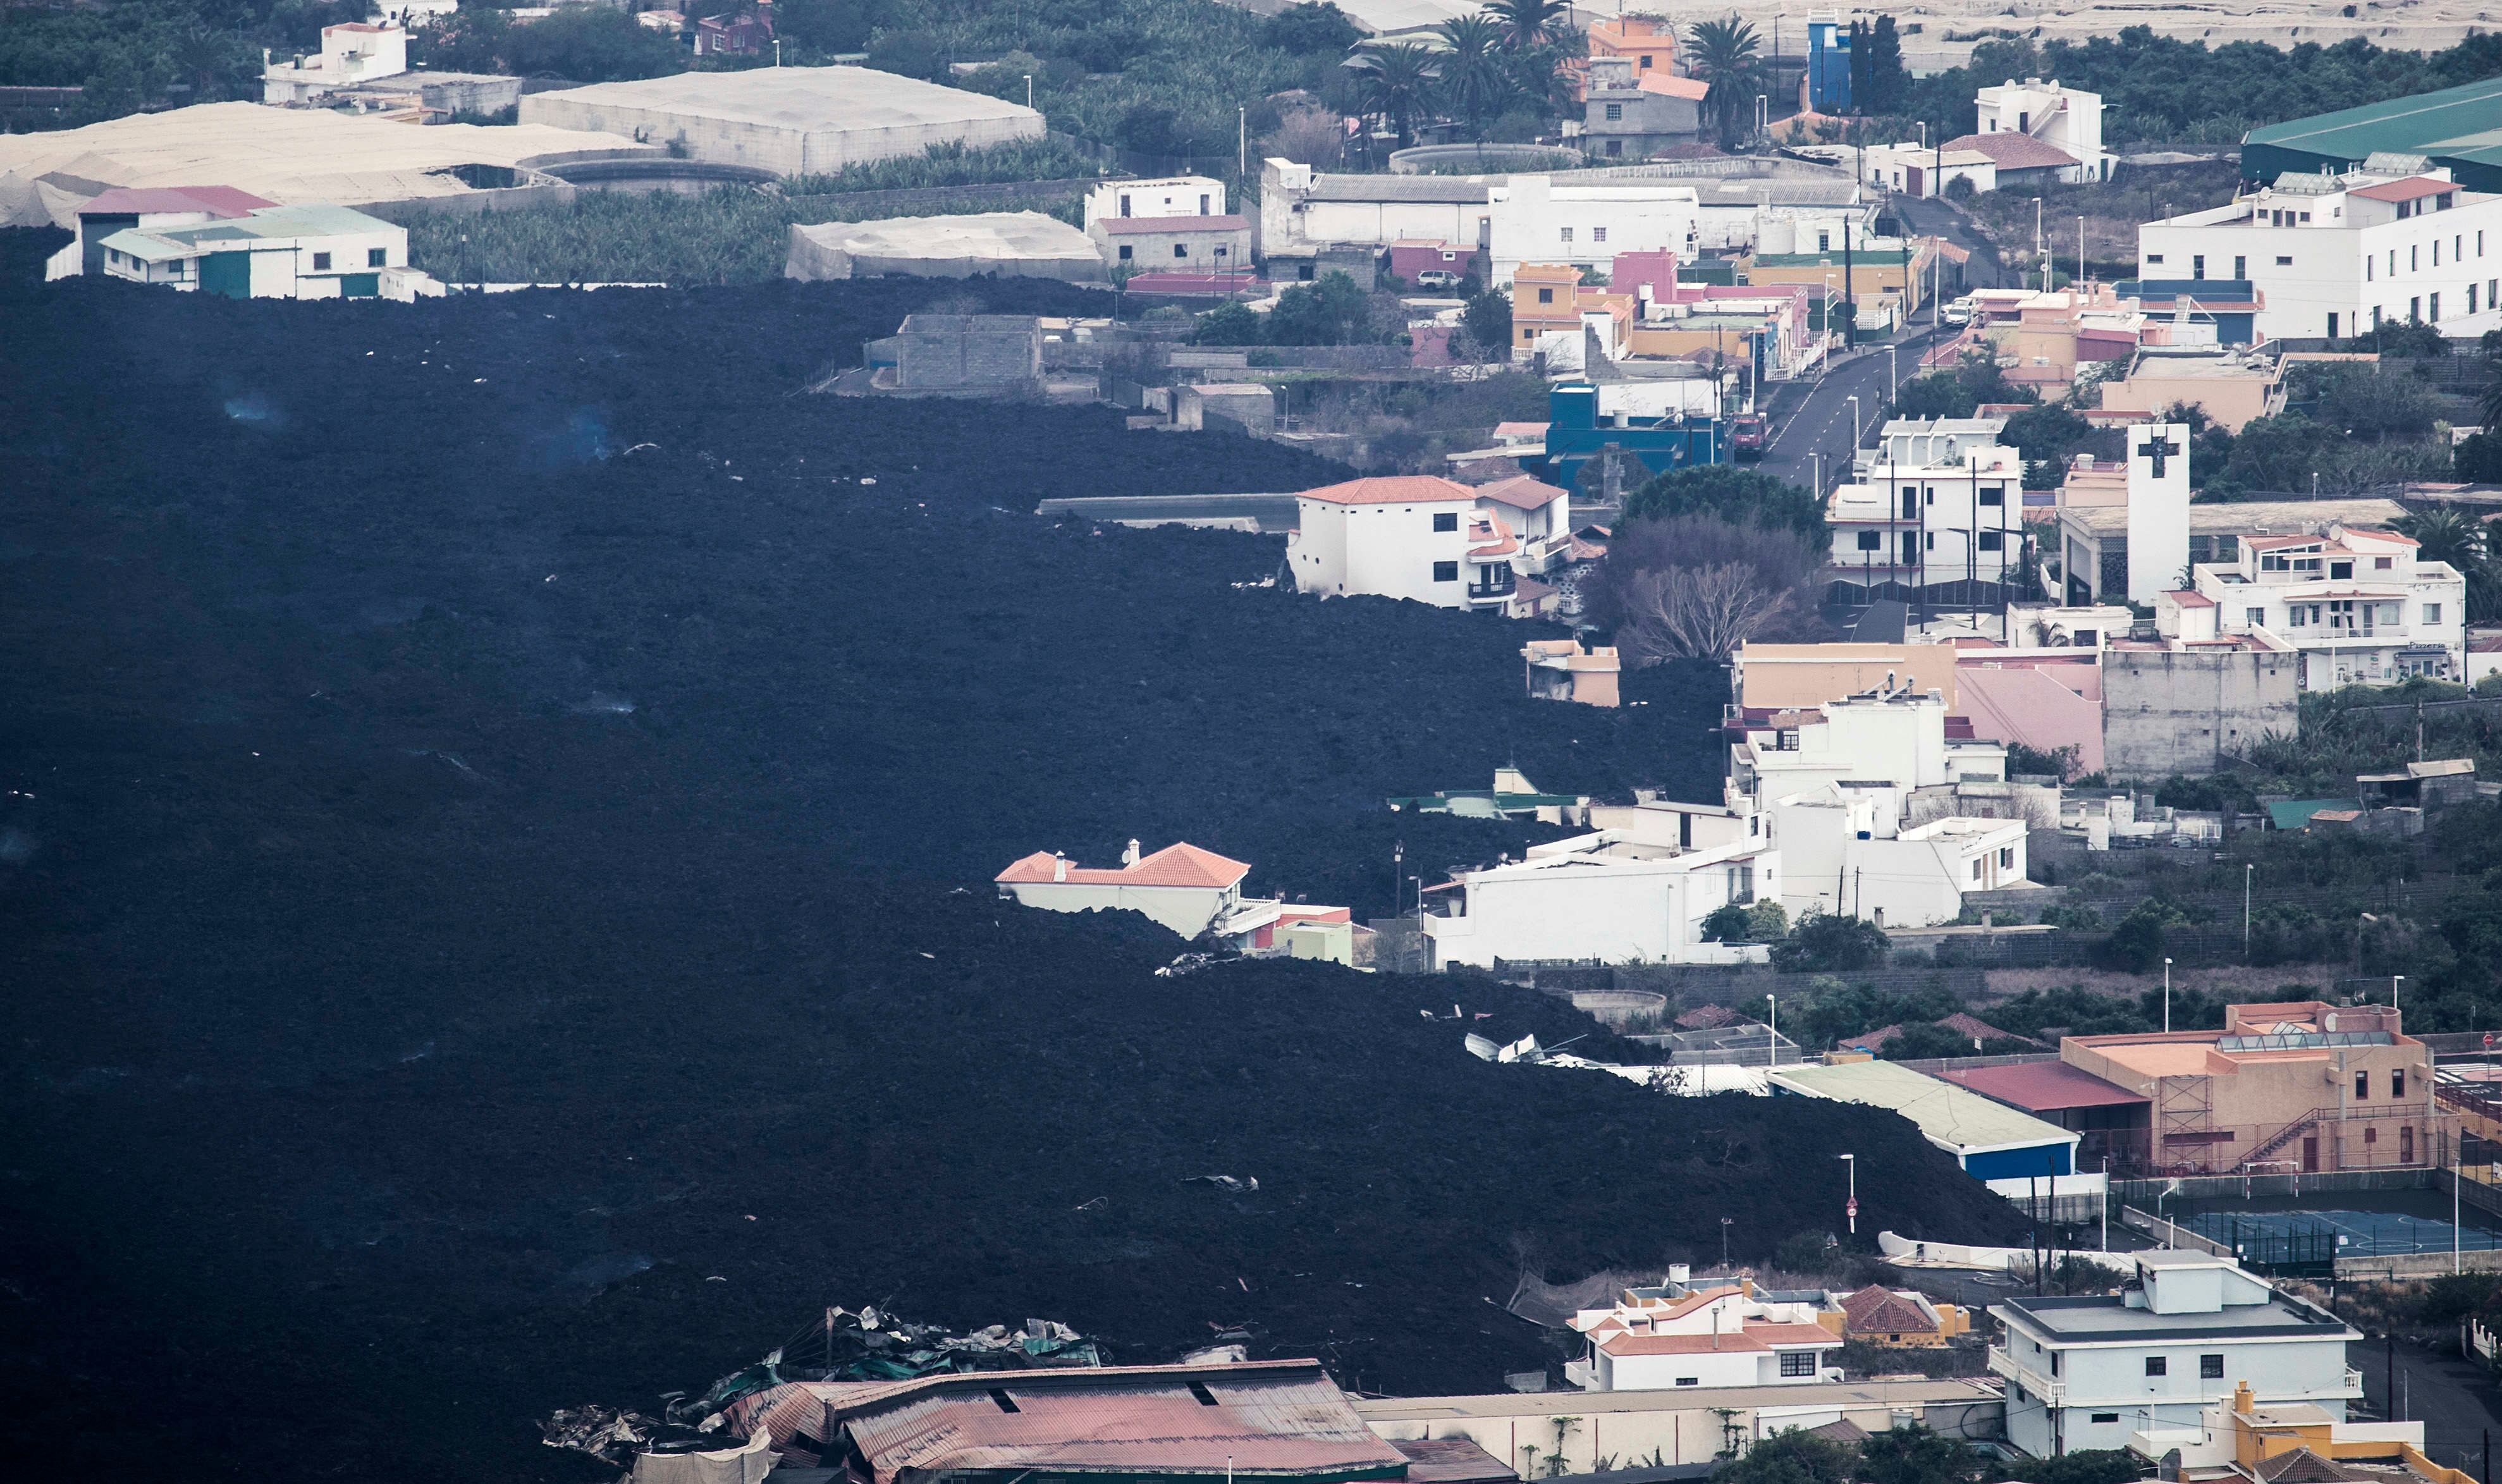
[[1473, 83], [1911, 1454], [1824, 943], [1227, 324], [1488, 318], [1530, 23], [1805, 1252], [1725, 924], [2087, 1465], [1309, 29], [2478, 458], [1400, 86], [1742, 495], [1792, 1456], [1722, 53], [909, 53], [1889, 84], [827, 26], [1328, 311]]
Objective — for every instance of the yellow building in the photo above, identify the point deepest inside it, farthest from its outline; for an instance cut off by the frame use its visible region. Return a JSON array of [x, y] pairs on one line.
[[1798, 675], [2239, 1441], [1880, 266]]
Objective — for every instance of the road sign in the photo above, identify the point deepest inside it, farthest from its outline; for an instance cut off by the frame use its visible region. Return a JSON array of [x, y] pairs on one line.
[[1850, 1208]]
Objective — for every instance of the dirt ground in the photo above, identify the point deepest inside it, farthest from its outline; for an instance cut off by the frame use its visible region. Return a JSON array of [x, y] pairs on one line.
[[2112, 212], [498, 800]]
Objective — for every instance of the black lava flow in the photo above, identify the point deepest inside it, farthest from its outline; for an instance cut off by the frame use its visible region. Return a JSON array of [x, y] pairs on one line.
[[496, 816]]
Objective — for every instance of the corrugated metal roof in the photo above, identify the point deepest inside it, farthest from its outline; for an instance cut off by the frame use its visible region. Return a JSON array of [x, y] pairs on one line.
[[1951, 1116]]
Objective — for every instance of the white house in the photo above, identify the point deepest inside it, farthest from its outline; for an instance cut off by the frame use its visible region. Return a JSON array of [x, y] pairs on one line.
[[1920, 170], [1888, 737], [2334, 255], [1427, 538], [1173, 195], [1601, 896], [268, 253], [1534, 219], [1849, 854], [2089, 1372], [1683, 1334], [2358, 606], [1304, 212], [1937, 527], [2069, 119], [1182, 887], [356, 51]]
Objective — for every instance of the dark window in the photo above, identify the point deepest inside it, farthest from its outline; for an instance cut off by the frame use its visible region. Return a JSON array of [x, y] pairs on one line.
[[2241, 267], [1993, 541], [2397, 1084], [2340, 569], [320, 262], [2198, 265], [1615, 110], [377, 258], [1125, 251], [1547, 296], [1993, 494], [1870, 541], [1797, 1362], [1689, 1380], [2362, 1086], [2105, 1417], [2210, 1368], [1181, 250], [2155, 1366], [1616, 147], [1446, 521], [1446, 571]]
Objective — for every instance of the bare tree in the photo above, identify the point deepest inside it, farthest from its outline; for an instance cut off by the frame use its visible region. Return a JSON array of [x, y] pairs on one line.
[[1309, 135], [1698, 586]]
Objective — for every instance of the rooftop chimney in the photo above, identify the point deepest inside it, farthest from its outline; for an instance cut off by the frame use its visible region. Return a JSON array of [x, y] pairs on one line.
[[1059, 867], [1129, 857]]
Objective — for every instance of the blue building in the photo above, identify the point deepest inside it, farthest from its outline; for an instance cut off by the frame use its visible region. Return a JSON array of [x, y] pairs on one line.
[[1828, 65], [1579, 430], [2231, 305]]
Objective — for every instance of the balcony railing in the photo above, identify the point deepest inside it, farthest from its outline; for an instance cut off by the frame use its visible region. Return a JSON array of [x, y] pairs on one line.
[[2049, 1389], [1487, 593]]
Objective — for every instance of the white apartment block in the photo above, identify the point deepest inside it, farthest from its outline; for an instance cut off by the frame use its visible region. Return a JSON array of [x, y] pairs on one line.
[[351, 53], [1915, 526], [2334, 255], [1605, 897], [1535, 220], [271, 252], [1847, 854], [1428, 539], [2087, 1372], [2065, 118], [1888, 737], [1683, 1335], [2357, 606], [1176, 195]]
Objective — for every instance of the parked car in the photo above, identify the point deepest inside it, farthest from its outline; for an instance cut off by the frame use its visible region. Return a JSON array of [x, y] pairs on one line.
[[1437, 278], [1747, 432], [1957, 310]]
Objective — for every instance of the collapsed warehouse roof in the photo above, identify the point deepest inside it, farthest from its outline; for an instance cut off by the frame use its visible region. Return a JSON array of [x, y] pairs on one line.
[[293, 157], [1006, 244]]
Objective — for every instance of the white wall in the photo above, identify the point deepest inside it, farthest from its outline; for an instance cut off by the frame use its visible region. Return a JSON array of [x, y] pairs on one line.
[[2308, 272], [1675, 1372], [1186, 910], [2158, 511], [1390, 551], [1172, 196], [1537, 221], [1615, 910]]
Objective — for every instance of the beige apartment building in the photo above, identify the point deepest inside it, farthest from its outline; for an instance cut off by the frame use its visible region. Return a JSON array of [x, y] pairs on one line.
[[2296, 1087]]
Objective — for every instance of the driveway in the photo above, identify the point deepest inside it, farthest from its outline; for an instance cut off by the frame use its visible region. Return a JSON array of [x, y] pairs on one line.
[[2454, 1399]]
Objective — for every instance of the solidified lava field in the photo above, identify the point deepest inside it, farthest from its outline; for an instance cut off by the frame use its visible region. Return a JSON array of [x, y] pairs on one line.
[[496, 813]]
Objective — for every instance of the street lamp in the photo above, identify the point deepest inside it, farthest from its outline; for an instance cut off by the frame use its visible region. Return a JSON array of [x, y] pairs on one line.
[[2037, 243], [1891, 390], [2394, 981], [2247, 868], [2167, 996], [1726, 1222], [1850, 1210], [777, 50], [1854, 419], [1028, 83]]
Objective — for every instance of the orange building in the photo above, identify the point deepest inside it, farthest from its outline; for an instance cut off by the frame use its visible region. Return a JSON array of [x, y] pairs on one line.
[[1649, 42], [1547, 297]]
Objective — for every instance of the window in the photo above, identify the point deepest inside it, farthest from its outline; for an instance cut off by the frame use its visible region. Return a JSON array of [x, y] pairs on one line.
[[1645, 61], [2283, 260], [2362, 1086], [2367, 270], [1597, 234], [1797, 1362], [1125, 205], [1221, 251], [1975, 868], [1181, 250], [2414, 258], [2398, 1082], [377, 258], [2370, 1135], [2198, 265], [1823, 241], [2436, 252], [2294, 617], [2432, 307], [1615, 110], [1993, 494], [1547, 295], [1616, 147], [2155, 257], [1689, 1380], [1446, 571], [1567, 234], [1446, 519], [1870, 541], [2432, 613], [2210, 1368], [1125, 251], [1993, 541], [2414, 311], [2105, 1417], [2241, 267], [2254, 617], [2006, 858], [2332, 323], [2340, 569], [1203, 203], [1931, 544], [2155, 1366], [320, 262]]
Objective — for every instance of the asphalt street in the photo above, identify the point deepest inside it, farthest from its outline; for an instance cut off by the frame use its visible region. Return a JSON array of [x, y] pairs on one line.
[[1812, 418], [2454, 1399]]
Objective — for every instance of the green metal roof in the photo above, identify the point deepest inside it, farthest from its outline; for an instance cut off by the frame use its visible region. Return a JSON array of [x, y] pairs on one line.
[[2460, 127], [2296, 813]]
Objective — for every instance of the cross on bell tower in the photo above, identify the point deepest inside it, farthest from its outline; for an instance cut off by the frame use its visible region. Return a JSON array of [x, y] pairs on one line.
[[2159, 449]]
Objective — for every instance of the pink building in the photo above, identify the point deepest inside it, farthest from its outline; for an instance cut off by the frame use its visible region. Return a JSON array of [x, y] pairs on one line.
[[2045, 698]]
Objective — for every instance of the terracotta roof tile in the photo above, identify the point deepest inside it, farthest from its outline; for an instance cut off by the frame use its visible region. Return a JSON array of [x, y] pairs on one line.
[[2013, 151], [1179, 864], [1392, 489]]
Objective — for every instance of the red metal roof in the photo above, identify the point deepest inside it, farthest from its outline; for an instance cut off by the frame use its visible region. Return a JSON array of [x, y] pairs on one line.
[[134, 201], [1279, 1418], [1392, 489], [2042, 1087], [2411, 188], [1178, 864], [2188, 599], [1521, 492], [1121, 225]]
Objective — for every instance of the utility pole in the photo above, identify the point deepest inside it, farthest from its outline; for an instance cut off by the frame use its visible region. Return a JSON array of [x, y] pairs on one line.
[[2247, 868], [1849, 293], [1850, 1210], [2167, 996]]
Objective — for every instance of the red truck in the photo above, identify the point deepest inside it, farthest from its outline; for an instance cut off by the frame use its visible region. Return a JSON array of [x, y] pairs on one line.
[[1747, 436]]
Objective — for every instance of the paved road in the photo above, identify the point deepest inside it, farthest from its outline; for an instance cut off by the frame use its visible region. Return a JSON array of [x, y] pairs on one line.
[[1810, 419], [1941, 219], [2456, 1400]]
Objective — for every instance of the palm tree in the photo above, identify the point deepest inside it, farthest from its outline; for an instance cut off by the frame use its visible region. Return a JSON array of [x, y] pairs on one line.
[[1526, 23], [1724, 56], [2445, 535], [1398, 85], [1472, 78]]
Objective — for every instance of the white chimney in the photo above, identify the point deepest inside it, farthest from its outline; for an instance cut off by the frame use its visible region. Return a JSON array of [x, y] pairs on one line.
[[1679, 1272], [1059, 867], [1129, 857]]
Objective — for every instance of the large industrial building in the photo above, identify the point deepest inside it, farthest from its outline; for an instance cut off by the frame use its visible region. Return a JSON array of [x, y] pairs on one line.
[[2459, 127], [790, 120], [1003, 244]]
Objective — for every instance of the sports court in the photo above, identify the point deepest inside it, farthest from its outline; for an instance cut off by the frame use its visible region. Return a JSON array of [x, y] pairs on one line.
[[2287, 1237]]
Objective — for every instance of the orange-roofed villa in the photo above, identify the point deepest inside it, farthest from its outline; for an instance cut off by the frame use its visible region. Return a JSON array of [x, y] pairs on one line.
[[1190, 890], [1429, 539], [1713, 1332]]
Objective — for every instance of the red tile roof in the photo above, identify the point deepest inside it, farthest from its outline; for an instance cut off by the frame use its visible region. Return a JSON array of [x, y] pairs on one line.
[[2042, 1087], [1178, 864], [1119, 227], [1694, 89], [1880, 1309], [2411, 188], [1679, 1344], [2013, 151], [1521, 492], [2191, 599], [1392, 489], [132, 201], [1772, 1333]]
